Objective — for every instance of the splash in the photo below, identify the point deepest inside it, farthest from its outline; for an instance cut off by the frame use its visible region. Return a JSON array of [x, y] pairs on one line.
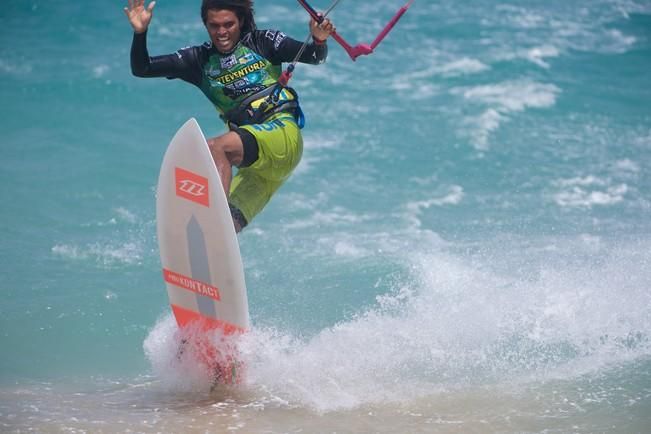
[[192, 359], [463, 321]]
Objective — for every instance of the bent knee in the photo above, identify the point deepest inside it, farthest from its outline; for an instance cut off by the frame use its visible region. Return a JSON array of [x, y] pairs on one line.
[[228, 146]]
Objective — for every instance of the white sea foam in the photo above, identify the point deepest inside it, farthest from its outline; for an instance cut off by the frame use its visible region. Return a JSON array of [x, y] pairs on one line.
[[453, 196], [590, 34], [313, 147], [307, 164], [588, 191], [424, 182], [337, 216], [627, 166], [456, 322], [349, 249], [327, 142], [536, 55], [121, 215], [521, 17], [126, 215], [620, 42], [643, 140], [578, 197], [424, 91], [108, 254], [512, 96], [162, 349], [463, 66], [420, 82], [487, 122], [502, 100], [581, 181], [305, 202], [68, 251], [100, 71], [594, 29]]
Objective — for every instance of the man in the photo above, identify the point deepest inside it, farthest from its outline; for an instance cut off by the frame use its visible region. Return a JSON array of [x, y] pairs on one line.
[[238, 70]]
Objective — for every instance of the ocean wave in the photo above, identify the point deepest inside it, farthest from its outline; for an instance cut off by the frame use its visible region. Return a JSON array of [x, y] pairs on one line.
[[627, 166], [589, 191], [451, 68], [457, 322], [502, 100], [108, 254], [578, 197], [511, 96], [453, 196], [573, 26], [336, 217], [536, 55]]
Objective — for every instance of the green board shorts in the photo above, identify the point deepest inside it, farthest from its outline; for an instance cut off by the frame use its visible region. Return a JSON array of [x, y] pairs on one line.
[[280, 147]]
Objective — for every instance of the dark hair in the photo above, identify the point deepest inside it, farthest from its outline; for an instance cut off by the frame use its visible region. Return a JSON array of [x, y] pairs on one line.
[[242, 8]]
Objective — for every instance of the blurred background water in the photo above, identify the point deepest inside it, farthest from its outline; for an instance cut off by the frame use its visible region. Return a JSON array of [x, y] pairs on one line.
[[465, 245]]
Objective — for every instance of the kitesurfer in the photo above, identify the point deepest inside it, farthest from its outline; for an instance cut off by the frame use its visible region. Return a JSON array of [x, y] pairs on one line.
[[238, 70]]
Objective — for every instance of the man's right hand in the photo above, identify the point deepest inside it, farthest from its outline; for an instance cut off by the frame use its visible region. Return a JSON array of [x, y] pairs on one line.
[[138, 15]]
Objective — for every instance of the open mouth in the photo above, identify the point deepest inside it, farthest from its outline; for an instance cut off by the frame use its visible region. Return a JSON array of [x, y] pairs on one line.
[[224, 41]]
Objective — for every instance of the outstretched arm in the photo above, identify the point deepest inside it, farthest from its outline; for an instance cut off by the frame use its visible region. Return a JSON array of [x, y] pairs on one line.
[[138, 15], [183, 64]]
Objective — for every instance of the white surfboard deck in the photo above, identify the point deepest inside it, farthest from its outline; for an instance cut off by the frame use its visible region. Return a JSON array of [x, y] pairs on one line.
[[199, 251]]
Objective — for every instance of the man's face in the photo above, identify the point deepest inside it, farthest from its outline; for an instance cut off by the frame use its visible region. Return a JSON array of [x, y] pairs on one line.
[[224, 29]]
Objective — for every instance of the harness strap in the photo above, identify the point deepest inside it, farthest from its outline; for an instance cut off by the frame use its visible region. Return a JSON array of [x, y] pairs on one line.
[[246, 114]]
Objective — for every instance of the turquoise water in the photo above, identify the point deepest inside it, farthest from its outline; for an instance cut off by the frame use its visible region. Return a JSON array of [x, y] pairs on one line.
[[464, 247]]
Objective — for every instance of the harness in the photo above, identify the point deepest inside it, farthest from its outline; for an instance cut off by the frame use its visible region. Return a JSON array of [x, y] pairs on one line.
[[256, 108]]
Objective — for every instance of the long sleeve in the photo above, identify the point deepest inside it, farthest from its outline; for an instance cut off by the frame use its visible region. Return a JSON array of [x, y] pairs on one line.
[[278, 48], [183, 64], [314, 53]]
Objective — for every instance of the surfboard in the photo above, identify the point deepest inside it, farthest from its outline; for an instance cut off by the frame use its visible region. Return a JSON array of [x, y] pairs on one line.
[[199, 251]]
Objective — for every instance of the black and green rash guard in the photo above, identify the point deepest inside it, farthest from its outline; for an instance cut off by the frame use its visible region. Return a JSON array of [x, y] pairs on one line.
[[226, 79]]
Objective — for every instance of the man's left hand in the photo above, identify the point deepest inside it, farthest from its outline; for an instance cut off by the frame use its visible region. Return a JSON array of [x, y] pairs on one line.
[[321, 31]]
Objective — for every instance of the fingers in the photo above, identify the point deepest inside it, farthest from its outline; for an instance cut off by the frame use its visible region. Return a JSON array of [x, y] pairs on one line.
[[138, 15], [327, 26], [135, 4], [322, 30]]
